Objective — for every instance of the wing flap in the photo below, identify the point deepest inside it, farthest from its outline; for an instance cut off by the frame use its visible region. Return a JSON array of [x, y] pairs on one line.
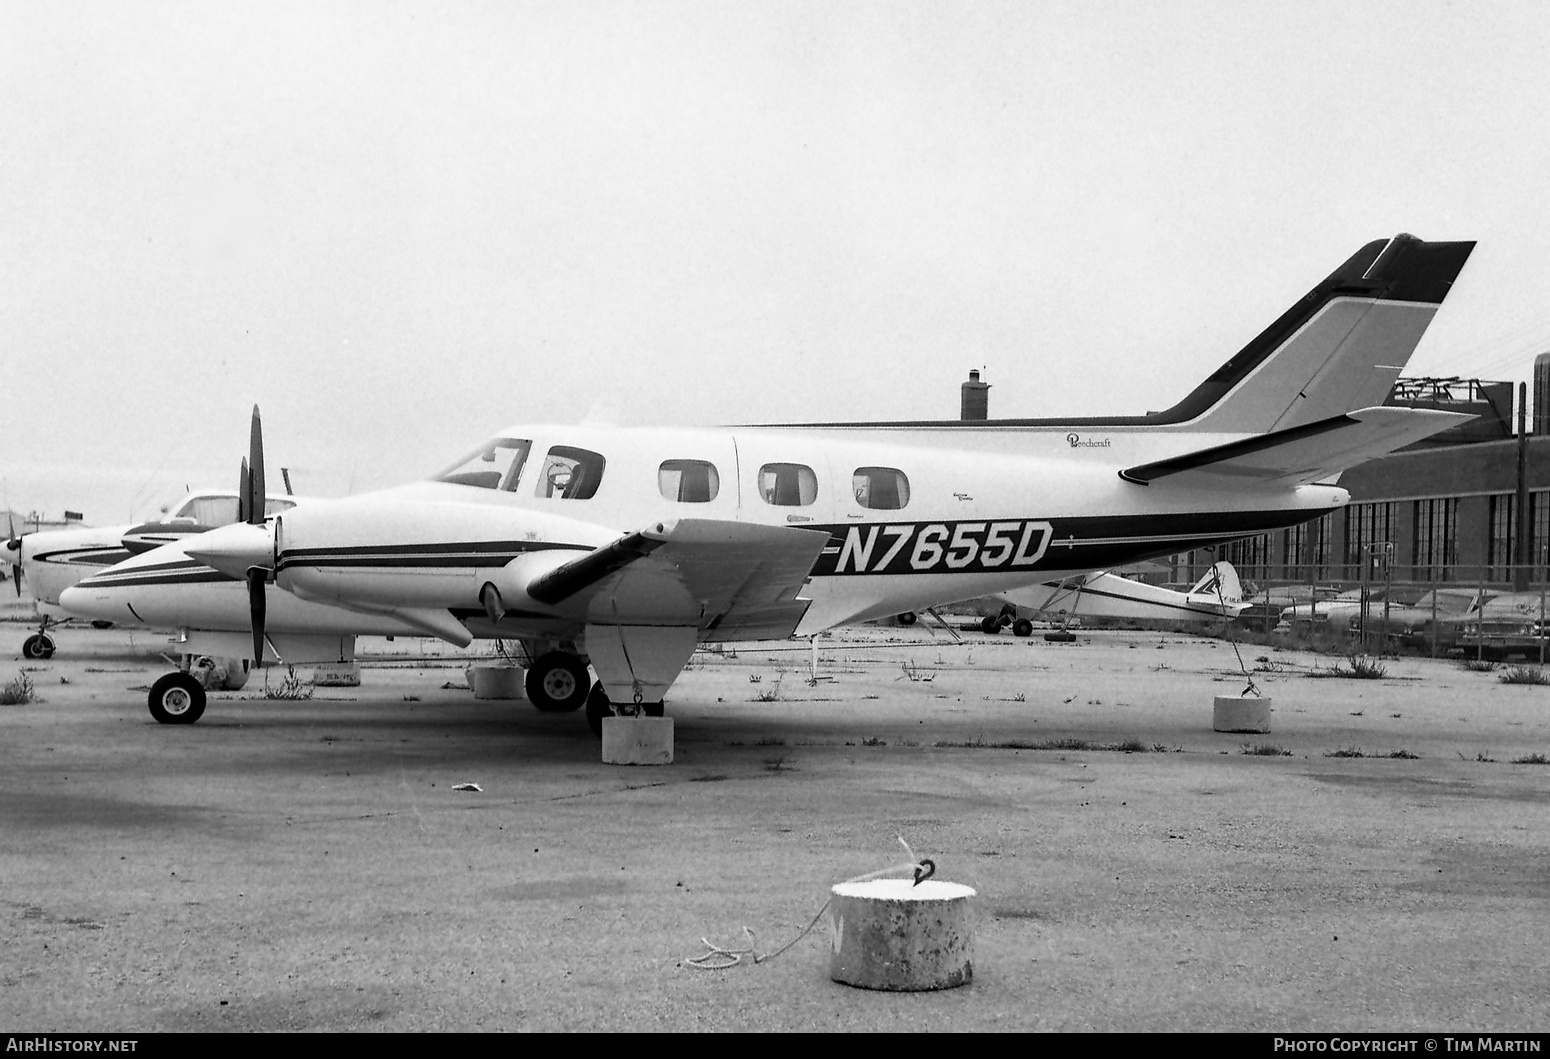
[[1306, 453]]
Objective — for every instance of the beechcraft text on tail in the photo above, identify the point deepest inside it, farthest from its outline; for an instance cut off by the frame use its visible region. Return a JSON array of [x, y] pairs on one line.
[[615, 551]]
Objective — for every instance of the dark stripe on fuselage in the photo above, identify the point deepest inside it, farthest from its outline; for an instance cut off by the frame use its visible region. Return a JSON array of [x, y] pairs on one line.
[[1183, 603], [1010, 546], [471, 554], [98, 556]]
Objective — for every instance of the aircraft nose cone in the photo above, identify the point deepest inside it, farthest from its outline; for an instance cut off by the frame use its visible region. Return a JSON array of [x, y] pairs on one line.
[[234, 549], [82, 601]]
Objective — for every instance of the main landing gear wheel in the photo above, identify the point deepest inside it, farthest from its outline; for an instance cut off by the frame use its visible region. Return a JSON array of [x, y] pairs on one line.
[[557, 682], [177, 698], [907, 618], [1022, 627], [38, 645], [990, 626]]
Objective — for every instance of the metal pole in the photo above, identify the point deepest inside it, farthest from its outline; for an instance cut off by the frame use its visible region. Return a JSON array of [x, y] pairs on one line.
[[1523, 555], [1434, 613]]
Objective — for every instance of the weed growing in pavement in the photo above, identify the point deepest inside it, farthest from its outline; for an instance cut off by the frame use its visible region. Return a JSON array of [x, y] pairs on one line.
[[17, 691], [291, 688], [1264, 750], [1523, 675]]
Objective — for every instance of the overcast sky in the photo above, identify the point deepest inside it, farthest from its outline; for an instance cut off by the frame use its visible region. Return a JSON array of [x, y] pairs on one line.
[[401, 227]]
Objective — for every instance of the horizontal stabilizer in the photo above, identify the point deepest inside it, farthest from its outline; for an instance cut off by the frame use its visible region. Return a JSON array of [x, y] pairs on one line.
[[1306, 453]]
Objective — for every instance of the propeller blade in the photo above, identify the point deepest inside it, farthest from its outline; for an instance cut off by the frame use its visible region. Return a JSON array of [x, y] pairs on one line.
[[256, 493], [243, 499], [256, 608], [16, 576]]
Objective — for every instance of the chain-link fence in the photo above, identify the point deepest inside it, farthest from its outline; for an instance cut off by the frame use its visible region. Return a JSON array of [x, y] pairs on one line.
[[1496, 612]]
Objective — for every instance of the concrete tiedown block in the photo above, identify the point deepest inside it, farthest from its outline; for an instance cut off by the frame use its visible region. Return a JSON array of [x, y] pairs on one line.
[[637, 740], [892, 934], [1240, 713]]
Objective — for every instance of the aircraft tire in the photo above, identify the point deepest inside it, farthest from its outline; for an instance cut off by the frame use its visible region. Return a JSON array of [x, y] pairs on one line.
[[557, 682], [990, 626], [1022, 627], [907, 618], [598, 707], [177, 698], [100, 624], [38, 646]]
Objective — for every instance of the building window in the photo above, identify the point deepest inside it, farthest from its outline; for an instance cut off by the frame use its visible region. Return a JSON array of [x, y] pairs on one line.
[[1294, 544], [688, 481], [1251, 556], [1504, 534], [880, 488], [788, 484], [1436, 539], [1539, 527], [1366, 525], [1324, 532]]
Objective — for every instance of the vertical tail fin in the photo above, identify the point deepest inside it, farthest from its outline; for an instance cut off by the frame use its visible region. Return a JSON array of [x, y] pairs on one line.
[[1339, 349], [1221, 584]]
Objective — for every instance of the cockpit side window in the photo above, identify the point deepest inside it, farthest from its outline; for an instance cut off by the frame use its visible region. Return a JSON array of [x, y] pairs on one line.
[[688, 481], [210, 510], [788, 484], [570, 474], [880, 488], [496, 464]]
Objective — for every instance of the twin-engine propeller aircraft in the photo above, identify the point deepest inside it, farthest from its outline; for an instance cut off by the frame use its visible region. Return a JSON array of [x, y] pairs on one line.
[[51, 561], [622, 549]]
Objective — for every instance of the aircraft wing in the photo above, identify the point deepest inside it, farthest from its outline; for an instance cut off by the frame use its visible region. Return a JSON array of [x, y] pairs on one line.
[[1307, 453], [723, 577]]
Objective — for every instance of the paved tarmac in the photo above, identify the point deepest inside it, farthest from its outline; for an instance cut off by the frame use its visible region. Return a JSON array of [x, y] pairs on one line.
[[307, 865]]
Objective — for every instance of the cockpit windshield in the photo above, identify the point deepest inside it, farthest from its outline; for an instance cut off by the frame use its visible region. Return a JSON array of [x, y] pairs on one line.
[[218, 509], [496, 464]]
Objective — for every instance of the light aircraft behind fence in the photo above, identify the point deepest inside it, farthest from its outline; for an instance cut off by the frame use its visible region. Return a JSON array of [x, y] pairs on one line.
[[1217, 595], [621, 549]]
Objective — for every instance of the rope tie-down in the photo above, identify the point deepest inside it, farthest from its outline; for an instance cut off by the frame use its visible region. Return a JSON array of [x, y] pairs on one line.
[[716, 958]]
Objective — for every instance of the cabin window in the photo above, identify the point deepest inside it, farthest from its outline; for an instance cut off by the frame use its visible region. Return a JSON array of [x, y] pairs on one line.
[[880, 488], [495, 465], [570, 474], [688, 481], [788, 484]]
